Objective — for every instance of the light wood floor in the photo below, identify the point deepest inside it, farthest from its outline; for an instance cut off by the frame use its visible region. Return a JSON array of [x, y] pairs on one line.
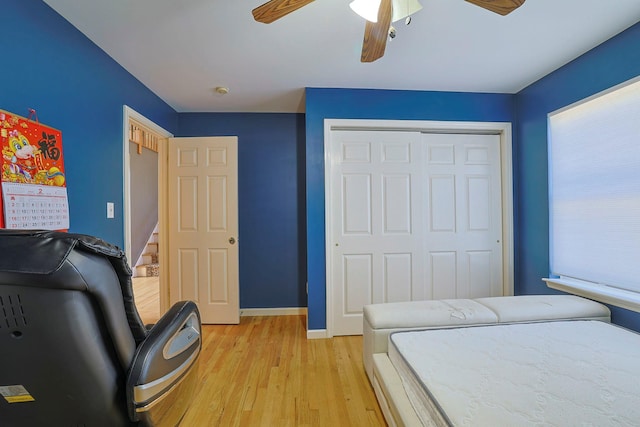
[[265, 372], [145, 294]]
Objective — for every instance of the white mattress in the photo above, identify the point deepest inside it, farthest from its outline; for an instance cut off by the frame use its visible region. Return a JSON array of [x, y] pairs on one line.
[[568, 373]]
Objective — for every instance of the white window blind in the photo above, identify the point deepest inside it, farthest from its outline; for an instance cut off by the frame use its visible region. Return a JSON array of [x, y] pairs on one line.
[[594, 189]]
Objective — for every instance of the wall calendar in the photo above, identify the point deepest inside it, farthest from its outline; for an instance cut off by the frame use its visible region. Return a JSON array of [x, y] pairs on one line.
[[35, 206], [34, 193]]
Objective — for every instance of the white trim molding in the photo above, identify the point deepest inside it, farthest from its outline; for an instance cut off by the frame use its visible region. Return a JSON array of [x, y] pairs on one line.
[[598, 292], [286, 311], [317, 334]]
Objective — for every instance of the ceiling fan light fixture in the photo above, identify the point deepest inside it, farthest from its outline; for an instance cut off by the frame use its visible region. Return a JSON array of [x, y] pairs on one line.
[[367, 9], [404, 8]]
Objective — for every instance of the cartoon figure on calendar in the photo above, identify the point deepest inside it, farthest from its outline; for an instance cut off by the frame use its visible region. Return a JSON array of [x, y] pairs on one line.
[[20, 154], [24, 163]]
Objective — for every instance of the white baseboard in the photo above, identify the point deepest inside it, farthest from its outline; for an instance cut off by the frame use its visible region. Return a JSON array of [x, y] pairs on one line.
[[314, 334], [286, 311]]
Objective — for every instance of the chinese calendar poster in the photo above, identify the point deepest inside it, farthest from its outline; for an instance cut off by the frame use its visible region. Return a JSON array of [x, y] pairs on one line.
[[34, 193]]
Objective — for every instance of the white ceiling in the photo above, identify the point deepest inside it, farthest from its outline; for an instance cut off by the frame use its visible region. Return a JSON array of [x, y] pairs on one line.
[[183, 49]]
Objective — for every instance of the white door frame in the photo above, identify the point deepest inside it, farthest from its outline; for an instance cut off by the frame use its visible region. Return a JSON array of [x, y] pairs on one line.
[[503, 129], [128, 114]]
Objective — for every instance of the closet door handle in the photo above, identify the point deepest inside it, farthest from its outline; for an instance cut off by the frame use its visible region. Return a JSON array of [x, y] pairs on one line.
[[232, 240]]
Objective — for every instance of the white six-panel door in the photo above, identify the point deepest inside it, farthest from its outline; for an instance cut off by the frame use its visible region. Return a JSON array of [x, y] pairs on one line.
[[203, 226], [377, 236], [414, 216], [463, 211]]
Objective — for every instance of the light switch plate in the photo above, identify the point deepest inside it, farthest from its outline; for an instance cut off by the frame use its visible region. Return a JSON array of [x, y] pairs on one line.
[[110, 210]]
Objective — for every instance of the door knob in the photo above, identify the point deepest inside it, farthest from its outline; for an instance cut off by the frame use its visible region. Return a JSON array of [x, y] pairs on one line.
[[232, 240]]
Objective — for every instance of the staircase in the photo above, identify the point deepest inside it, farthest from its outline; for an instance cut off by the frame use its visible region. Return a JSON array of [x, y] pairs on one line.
[[148, 264]]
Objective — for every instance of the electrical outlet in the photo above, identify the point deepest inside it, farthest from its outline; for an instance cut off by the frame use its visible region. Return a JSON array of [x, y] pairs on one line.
[[110, 210]]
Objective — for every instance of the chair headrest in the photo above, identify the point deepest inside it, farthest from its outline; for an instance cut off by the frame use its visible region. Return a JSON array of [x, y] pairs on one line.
[[44, 252]]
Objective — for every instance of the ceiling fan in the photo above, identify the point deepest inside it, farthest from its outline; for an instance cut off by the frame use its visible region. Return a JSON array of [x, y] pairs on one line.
[[378, 22]]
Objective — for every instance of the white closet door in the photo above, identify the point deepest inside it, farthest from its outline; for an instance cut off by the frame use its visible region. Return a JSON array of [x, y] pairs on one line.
[[463, 234], [377, 190], [408, 213]]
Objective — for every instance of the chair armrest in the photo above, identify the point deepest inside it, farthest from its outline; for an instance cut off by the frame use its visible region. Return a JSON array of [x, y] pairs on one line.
[[164, 360]]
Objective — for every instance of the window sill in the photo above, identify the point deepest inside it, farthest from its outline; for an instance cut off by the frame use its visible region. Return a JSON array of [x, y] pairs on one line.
[[602, 293]]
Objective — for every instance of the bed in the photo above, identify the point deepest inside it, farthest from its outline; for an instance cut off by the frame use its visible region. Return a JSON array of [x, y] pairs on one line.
[[512, 361]]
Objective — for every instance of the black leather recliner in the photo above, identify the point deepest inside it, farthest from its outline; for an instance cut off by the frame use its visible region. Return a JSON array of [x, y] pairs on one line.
[[73, 350]]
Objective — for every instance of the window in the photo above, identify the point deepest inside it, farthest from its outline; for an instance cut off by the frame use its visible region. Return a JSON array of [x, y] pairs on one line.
[[594, 195]]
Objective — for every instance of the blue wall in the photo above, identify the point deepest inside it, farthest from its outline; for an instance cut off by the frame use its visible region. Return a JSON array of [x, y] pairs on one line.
[[609, 64], [271, 202], [372, 104], [75, 87]]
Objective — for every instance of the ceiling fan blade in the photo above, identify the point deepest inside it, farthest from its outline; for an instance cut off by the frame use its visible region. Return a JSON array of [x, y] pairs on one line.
[[376, 33], [276, 9], [502, 7]]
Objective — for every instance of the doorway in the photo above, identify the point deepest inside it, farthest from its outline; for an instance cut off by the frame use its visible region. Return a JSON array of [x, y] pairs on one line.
[[153, 293]]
